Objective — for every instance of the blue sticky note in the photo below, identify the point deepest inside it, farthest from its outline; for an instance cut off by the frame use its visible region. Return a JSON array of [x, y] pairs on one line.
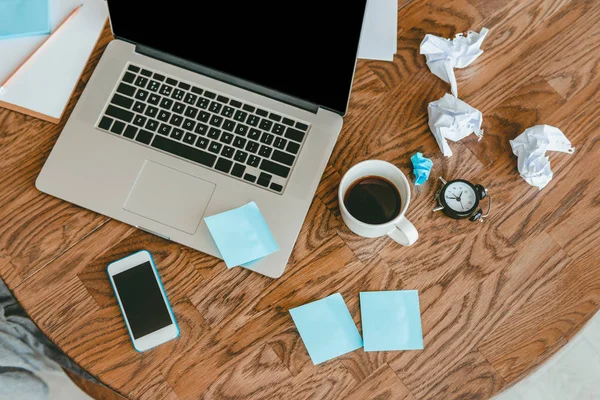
[[24, 18], [421, 168], [326, 328], [242, 235], [391, 320]]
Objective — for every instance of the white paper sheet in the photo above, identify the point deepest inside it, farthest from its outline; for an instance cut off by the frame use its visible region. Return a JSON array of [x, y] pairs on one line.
[[378, 40], [443, 55], [530, 147], [453, 119]]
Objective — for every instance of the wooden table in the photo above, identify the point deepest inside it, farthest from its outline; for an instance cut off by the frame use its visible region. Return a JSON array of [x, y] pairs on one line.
[[497, 298]]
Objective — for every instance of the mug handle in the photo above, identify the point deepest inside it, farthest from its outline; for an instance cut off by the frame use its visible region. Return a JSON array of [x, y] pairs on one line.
[[404, 232]]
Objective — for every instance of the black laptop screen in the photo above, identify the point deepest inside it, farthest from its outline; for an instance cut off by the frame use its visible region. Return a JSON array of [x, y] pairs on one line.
[[305, 49]]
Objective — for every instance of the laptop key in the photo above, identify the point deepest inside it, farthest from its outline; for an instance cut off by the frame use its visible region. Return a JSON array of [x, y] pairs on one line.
[[184, 86], [274, 168], [190, 99], [141, 81], [189, 124], [145, 72], [177, 134], [253, 120], [278, 129], [240, 156], [265, 151], [252, 146], [178, 94], [210, 95], [144, 136], [276, 187], [216, 120], [152, 125], [215, 147], [275, 117], [153, 86], [280, 143], [265, 125], [165, 89], [154, 99], [176, 120], [202, 142], [288, 121], [164, 115], [197, 90], [262, 112], [203, 116], [191, 112], [301, 126], [227, 151], [133, 68], [201, 129], [294, 134], [238, 170], [141, 94], [172, 81], [241, 129], [189, 138], [179, 108], [118, 127], [223, 99], [292, 147], [151, 111], [130, 131], [253, 161], [119, 113], [214, 133], [226, 138], [250, 178], [223, 165], [128, 77], [166, 103], [215, 107], [249, 108], [139, 120], [264, 179], [164, 129], [105, 123], [202, 103], [126, 89], [139, 107], [228, 125], [239, 142], [159, 77], [122, 101], [254, 134], [235, 103], [283, 158], [240, 116], [227, 111], [267, 138], [184, 151]]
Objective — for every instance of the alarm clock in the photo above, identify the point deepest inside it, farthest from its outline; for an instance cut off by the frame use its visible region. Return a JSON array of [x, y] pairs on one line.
[[460, 199]]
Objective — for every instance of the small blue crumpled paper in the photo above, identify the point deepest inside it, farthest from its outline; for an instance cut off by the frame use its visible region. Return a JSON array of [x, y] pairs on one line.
[[421, 168], [242, 235]]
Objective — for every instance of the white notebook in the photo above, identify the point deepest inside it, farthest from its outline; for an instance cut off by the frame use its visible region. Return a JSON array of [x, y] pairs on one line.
[[43, 85]]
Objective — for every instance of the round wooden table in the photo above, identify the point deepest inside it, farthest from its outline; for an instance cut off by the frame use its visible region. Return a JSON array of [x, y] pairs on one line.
[[497, 298]]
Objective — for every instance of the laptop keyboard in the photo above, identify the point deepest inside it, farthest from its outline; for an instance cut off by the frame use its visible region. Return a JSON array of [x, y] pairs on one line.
[[216, 131]]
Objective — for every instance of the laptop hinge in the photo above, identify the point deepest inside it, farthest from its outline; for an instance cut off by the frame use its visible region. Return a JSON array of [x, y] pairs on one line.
[[232, 80]]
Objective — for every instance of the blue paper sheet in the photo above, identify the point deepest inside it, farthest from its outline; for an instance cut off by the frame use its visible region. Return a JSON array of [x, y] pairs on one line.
[[242, 235], [24, 18], [326, 328], [391, 320], [421, 168]]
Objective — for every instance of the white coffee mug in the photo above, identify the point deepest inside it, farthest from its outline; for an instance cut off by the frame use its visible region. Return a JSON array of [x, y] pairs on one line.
[[399, 228]]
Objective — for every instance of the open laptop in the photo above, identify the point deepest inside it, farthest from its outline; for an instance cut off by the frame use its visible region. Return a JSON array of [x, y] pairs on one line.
[[195, 109]]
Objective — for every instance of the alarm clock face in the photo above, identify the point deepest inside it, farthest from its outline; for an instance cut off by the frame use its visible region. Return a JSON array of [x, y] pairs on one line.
[[460, 197]]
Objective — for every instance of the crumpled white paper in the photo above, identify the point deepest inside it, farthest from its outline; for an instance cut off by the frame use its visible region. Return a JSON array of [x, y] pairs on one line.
[[530, 147], [443, 55], [452, 118]]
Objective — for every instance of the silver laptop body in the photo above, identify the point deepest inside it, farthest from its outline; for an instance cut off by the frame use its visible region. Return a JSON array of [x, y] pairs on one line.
[[106, 164]]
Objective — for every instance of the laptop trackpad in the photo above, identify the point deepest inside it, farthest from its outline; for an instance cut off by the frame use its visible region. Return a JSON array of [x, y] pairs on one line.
[[170, 197]]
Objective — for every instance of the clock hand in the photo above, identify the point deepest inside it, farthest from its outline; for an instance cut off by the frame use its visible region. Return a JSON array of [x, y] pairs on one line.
[[461, 204]]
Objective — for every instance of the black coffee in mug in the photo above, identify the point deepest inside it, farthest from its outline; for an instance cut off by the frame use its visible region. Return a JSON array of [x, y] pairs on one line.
[[373, 200]]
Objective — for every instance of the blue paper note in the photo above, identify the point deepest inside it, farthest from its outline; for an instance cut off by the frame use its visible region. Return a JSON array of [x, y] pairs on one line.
[[326, 328], [421, 168], [242, 235], [391, 320], [24, 18]]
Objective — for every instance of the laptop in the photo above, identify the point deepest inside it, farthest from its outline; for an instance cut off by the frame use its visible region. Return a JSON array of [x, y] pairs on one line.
[[194, 110]]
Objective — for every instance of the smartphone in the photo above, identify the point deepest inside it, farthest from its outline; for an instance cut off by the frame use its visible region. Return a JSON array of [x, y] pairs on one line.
[[143, 301]]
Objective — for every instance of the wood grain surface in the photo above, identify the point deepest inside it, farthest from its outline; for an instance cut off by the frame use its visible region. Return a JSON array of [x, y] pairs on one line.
[[497, 298]]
